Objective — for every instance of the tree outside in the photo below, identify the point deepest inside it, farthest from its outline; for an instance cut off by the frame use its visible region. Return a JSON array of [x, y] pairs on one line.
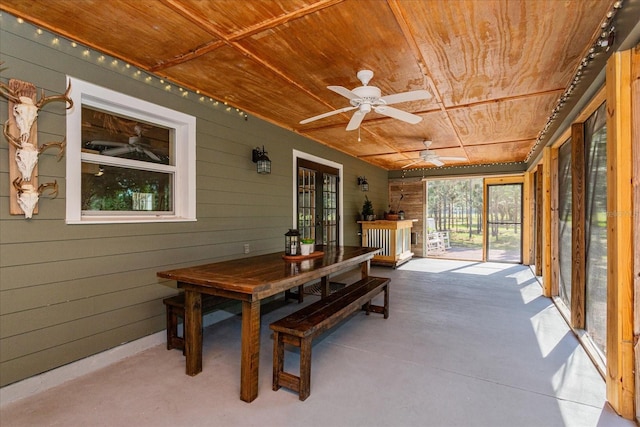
[[456, 207]]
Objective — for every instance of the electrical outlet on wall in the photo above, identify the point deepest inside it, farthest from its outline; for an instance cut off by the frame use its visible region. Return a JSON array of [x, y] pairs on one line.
[[247, 249]]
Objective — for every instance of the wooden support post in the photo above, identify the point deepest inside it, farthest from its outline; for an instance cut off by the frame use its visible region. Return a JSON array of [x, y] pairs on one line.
[[539, 208], [635, 155], [546, 222], [578, 238], [620, 362], [555, 223], [528, 218]]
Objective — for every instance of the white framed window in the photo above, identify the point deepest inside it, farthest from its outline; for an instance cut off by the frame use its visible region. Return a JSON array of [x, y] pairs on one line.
[[128, 160]]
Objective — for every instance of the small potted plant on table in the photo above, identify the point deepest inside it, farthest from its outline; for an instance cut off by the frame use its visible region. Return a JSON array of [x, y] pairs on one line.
[[307, 246]]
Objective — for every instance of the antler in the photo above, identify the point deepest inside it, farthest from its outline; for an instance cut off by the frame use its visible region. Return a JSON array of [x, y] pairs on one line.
[[61, 146], [16, 142], [17, 184], [8, 93], [53, 184], [47, 99]]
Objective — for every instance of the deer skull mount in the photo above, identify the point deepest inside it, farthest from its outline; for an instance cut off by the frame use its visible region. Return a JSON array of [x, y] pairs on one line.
[[20, 130], [27, 154], [28, 195]]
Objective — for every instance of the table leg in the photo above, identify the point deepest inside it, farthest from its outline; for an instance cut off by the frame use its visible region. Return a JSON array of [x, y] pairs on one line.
[[193, 331], [249, 362], [364, 267], [325, 287]]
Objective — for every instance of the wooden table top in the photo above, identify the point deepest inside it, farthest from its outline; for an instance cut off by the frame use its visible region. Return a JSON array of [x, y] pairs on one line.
[[265, 275]]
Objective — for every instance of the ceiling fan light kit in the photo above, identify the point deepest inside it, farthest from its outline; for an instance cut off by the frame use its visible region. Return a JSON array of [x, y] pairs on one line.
[[366, 98]]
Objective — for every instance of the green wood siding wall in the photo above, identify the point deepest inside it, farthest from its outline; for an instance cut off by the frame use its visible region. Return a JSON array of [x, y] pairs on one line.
[[70, 291]]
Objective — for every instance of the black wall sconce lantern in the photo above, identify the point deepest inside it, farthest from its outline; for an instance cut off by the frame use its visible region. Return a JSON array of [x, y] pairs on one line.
[[259, 157], [362, 182]]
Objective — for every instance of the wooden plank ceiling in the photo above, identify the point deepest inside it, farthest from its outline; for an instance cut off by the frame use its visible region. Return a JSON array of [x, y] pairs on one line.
[[495, 68]]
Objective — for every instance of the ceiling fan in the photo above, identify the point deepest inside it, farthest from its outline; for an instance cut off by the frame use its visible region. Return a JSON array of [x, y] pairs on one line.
[[365, 98], [429, 156], [135, 145]]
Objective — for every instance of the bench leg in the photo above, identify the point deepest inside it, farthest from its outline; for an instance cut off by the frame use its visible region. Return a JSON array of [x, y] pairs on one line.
[[278, 359], [179, 340], [170, 327], [386, 301], [305, 369], [173, 340], [368, 307]]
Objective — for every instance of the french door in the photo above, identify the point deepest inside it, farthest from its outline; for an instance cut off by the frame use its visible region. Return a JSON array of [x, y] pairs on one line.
[[318, 202]]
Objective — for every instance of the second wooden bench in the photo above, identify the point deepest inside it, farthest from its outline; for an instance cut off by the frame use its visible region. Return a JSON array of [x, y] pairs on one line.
[[301, 327]]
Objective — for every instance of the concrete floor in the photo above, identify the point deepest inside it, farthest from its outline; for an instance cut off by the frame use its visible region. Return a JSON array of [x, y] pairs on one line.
[[466, 344]]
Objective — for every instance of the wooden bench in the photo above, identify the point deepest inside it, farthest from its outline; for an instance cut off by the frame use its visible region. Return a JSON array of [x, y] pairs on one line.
[[301, 327], [175, 310]]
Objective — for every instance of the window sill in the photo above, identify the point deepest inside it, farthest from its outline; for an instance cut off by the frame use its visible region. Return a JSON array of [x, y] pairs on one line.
[[128, 219]]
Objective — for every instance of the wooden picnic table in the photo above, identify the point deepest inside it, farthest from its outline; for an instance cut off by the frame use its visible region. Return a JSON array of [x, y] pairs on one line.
[[251, 280]]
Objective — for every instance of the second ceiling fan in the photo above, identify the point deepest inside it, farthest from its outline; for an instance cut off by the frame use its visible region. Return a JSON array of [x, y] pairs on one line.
[[365, 98], [430, 156]]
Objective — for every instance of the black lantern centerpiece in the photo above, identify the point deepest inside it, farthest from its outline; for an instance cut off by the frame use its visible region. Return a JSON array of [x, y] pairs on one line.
[[292, 242]]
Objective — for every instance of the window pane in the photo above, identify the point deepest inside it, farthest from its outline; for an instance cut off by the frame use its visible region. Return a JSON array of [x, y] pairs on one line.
[[306, 203], [504, 222], [111, 188], [116, 136], [596, 228], [330, 211], [564, 222]]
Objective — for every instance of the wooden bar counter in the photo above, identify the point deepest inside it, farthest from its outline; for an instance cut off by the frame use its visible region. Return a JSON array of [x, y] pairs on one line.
[[393, 237]]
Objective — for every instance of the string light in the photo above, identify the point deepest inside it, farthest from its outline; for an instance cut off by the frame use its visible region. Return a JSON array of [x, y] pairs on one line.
[[454, 167], [605, 40], [62, 43]]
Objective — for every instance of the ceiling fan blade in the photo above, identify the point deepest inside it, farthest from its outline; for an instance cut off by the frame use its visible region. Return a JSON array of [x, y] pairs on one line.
[[413, 95], [114, 152], [152, 155], [356, 119], [412, 163], [107, 143], [343, 91], [330, 113], [398, 114], [436, 162]]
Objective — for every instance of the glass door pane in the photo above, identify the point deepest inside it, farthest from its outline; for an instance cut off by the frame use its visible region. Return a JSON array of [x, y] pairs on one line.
[[453, 225], [565, 223], [306, 203], [318, 209], [329, 209], [504, 223], [596, 228]]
